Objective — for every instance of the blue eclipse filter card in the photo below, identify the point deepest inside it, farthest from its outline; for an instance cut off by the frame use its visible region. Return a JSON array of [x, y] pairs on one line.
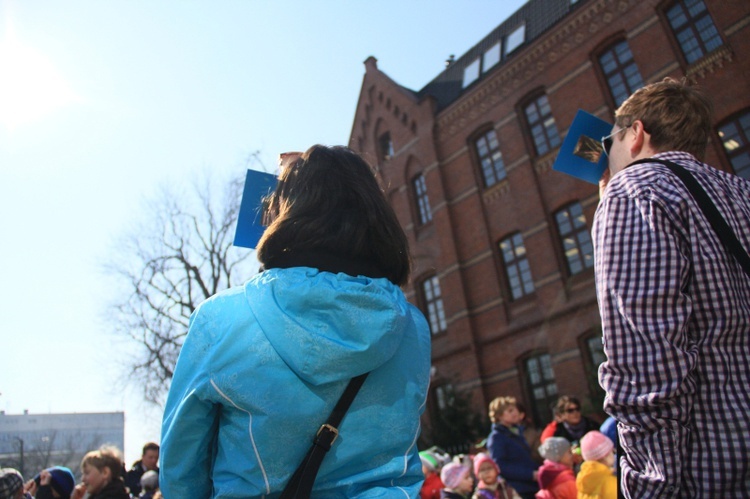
[[581, 154], [250, 227]]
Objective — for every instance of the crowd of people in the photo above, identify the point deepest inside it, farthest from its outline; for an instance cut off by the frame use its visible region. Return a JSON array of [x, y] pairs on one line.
[[578, 459], [103, 476]]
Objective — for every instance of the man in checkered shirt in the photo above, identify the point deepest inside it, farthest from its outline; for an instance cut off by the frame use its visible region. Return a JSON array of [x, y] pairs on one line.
[[675, 305]]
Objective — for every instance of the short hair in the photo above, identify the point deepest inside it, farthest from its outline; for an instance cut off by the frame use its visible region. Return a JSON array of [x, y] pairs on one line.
[[150, 446], [563, 401], [104, 457], [499, 405], [328, 200], [675, 114]]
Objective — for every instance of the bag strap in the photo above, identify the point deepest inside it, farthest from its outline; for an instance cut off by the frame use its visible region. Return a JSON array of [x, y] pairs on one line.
[[301, 483], [720, 226]]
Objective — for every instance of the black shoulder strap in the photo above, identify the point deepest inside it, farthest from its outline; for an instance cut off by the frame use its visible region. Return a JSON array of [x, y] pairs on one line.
[[301, 483], [720, 226]]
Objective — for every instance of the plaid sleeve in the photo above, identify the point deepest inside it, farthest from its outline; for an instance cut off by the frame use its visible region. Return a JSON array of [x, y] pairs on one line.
[[642, 272]]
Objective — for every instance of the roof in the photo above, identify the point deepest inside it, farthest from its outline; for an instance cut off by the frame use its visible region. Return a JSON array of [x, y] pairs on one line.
[[536, 15]]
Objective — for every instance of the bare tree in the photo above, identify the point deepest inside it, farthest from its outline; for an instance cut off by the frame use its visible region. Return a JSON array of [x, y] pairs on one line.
[[168, 266]]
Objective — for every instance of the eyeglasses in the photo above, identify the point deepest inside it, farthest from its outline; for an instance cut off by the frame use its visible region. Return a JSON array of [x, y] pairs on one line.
[[607, 141], [571, 410]]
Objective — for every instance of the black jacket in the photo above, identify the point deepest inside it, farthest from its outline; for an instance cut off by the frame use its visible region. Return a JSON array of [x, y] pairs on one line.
[[114, 490]]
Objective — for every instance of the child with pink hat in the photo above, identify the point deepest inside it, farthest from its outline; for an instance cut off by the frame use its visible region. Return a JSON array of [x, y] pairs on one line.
[[491, 484], [457, 480], [596, 479]]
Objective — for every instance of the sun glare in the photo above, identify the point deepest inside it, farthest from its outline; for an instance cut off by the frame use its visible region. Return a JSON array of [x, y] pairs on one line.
[[30, 86]]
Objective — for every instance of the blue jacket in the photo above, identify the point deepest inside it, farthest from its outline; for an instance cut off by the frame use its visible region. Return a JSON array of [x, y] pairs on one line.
[[262, 367], [512, 454]]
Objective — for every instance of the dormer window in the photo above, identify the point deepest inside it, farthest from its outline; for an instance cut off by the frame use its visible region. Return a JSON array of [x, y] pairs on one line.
[[471, 73], [515, 39], [491, 57]]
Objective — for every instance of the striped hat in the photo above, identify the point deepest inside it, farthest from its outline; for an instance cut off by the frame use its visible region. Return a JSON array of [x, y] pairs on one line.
[[11, 482]]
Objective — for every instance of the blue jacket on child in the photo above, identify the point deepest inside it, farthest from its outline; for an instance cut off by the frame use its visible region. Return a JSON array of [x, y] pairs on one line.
[[512, 454]]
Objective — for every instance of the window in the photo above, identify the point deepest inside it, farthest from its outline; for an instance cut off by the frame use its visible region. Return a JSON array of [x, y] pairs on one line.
[[385, 145], [424, 211], [491, 57], [471, 73], [444, 395], [576, 241], [694, 29], [516, 266], [490, 157], [482, 64], [620, 71], [594, 352], [434, 304], [735, 135], [515, 39], [540, 380], [595, 348], [542, 125]]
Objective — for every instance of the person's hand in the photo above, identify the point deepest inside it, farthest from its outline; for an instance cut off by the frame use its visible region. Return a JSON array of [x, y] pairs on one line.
[[79, 491], [536, 475], [45, 477], [603, 182], [30, 487]]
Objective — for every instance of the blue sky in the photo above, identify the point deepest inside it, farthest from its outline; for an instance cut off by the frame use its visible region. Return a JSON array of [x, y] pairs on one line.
[[102, 102]]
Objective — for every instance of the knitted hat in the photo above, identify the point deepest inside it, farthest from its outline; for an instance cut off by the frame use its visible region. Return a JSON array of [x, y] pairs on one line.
[[62, 480], [554, 448], [482, 458], [150, 479], [452, 474], [595, 445], [10, 482], [429, 460]]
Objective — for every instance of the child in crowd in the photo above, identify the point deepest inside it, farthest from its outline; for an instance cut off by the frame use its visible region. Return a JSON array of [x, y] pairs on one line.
[[491, 485], [556, 478], [149, 484], [596, 480], [51, 483], [431, 468], [509, 449], [11, 484], [102, 475], [458, 481]]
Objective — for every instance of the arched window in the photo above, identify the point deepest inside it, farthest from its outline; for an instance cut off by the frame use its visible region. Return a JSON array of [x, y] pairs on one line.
[[541, 124]]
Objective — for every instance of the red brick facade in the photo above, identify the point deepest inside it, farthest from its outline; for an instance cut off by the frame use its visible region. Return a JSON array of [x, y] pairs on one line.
[[489, 335]]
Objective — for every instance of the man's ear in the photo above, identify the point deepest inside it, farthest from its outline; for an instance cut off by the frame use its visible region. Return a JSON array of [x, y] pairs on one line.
[[640, 147]]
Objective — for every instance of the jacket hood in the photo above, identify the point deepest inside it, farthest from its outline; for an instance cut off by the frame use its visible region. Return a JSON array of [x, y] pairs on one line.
[[591, 477], [549, 471], [328, 327]]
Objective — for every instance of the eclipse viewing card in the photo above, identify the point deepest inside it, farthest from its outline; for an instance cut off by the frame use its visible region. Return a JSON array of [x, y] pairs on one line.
[[581, 154], [250, 226]]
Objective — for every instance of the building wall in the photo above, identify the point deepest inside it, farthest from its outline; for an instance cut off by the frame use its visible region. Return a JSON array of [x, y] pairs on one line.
[[488, 334], [56, 439]]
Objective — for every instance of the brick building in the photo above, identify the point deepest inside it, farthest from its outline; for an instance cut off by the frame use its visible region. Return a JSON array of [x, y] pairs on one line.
[[501, 245]]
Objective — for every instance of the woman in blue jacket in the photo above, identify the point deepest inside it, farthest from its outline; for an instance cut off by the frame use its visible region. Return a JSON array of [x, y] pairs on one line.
[[263, 365]]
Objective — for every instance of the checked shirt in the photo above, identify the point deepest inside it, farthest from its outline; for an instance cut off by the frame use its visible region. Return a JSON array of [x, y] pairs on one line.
[[675, 310]]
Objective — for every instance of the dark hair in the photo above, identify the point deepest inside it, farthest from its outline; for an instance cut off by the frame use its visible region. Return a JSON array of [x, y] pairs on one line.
[[677, 116], [329, 201], [150, 446]]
